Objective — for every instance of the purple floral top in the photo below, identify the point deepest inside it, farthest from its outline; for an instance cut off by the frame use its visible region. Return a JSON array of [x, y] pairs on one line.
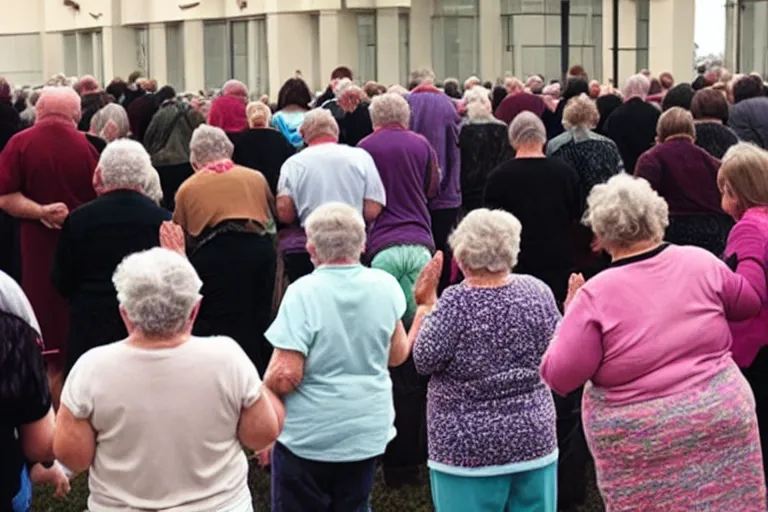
[[486, 404]]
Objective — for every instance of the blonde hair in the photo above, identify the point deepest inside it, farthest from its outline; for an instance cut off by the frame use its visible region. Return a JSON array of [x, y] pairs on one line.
[[744, 174], [675, 123], [259, 115], [580, 112]]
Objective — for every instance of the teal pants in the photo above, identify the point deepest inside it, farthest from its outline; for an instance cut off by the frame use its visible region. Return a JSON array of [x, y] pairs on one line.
[[529, 491], [405, 263]]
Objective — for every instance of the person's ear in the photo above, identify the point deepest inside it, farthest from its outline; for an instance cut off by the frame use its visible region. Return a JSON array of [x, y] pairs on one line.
[[312, 250], [98, 181], [128, 324], [193, 315]]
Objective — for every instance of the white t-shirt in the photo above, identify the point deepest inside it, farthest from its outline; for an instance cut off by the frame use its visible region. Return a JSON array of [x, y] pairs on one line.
[[327, 173], [166, 424]]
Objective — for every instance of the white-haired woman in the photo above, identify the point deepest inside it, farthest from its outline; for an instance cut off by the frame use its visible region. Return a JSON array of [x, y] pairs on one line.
[[107, 125], [350, 109], [543, 193], [661, 381], [261, 147], [183, 453], [337, 332], [484, 145], [491, 419], [95, 238], [226, 212]]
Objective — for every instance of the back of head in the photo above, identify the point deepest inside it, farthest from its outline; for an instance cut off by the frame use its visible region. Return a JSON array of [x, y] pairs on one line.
[[534, 84], [58, 102], [471, 82], [116, 89], [675, 123], [390, 109], [498, 94], [527, 129], [710, 104], [88, 85], [259, 114], [744, 174], [667, 80], [228, 113], [294, 92], [680, 95], [6, 91], [575, 87], [208, 145], [513, 85], [341, 72], [422, 76], [335, 232], [580, 112], [235, 88], [637, 87], [655, 87], [747, 87], [319, 123], [111, 122], [125, 164], [578, 71], [451, 88], [164, 94]]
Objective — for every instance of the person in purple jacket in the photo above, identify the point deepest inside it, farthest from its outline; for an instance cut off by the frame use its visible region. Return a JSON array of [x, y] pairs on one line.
[[434, 115], [743, 181], [400, 243]]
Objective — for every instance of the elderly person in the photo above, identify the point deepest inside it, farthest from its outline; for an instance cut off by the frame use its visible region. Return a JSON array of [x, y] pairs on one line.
[[45, 172], [293, 103], [553, 120], [749, 114], [471, 82], [226, 212], [325, 171], [665, 377], [434, 116], [680, 95], [484, 145], [95, 238], [93, 99], [710, 114], [228, 110], [482, 388], [107, 125], [142, 110], [686, 177], [350, 112], [167, 141], [261, 147], [632, 126], [543, 193], [336, 333], [183, 453], [517, 101]]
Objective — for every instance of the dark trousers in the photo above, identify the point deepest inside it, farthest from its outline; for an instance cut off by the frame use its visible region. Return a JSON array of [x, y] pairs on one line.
[[757, 376], [443, 222], [301, 485], [574, 452], [297, 266]]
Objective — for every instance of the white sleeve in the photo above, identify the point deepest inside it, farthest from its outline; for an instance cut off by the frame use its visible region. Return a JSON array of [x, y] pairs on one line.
[[76, 395], [287, 179], [374, 188], [246, 381]]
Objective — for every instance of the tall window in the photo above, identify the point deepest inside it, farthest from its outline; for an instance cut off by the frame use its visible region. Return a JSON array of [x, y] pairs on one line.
[[754, 38], [86, 54], [142, 50], [260, 79], [216, 54], [405, 48], [70, 54], [455, 47], [531, 35], [366, 51], [643, 21], [236, 49], [174, 48]]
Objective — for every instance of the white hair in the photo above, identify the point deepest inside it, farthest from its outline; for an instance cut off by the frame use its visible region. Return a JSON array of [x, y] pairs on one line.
[[117, 115], [158, 289], [527, 128], [337, 231], [478, 102], [487, 240], [471, 82], [341, 86], [209, 144], [637, 87], [318, 123], [399, 89], [126, 164], [390, 109], [626, 210], [423, 76]]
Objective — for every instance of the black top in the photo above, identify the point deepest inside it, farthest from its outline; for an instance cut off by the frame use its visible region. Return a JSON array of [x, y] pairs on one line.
[[715, 138], [353, 126], [605, 106], [10, 123], [171, 178], [632, 126], [483, 146], [24, 397], [94, 240], [543, 194], [97, 142], [264, 150]]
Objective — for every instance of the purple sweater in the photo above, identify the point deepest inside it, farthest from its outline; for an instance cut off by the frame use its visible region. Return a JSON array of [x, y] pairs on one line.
[[486, 404], [748, 242], [434, 116]]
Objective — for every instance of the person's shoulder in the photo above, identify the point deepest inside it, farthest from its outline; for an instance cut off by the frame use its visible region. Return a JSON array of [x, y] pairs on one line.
[[376, 275], [216, 347], [102, 358], [533, 286]]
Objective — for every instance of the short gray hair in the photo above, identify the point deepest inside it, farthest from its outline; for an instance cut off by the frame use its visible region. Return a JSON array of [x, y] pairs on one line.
[[126, 164], [637, 86], [526, 128], [117, 115], [158, 289], [478, 102], [626, 210], [318, 123], [209, 144], [487, 240], [337, 231], [422, 76], [390, 109]]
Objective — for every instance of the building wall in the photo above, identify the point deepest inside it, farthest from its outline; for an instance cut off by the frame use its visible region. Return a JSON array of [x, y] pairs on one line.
[[195, 44]]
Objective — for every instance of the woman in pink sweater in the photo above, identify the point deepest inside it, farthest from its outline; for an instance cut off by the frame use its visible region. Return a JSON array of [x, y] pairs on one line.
[[743, 181], [668, 417]]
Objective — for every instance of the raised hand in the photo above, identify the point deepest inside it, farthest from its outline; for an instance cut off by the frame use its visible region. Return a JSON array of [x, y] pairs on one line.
[[425, 290], [172, 237], [575, 282]]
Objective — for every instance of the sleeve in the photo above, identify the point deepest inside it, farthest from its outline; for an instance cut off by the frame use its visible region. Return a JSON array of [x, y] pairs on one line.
[[11, 179], [740, 300], [33, 400], [287, 177], [432, 185], [180, 211], [64, 273], [576, 351], [547, 316], [76, 395], [747, 244], [648, 169], [374, 188], [440, 332], [246, 385], [291, 329]]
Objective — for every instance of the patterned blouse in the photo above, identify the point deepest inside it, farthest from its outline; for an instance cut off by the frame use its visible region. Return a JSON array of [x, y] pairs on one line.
[[486, 403], [715, 138]]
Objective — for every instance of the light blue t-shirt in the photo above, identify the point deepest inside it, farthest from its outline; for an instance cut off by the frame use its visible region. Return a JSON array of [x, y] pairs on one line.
[[342, 319], [328, 173]]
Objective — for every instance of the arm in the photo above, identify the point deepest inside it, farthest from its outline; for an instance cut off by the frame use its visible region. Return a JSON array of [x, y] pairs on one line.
[[749, 246], [374, 197], [285, 371], [740, 300], [401, 345], [286, 209], [75, 441], [18, 205], [37, 438], [648, 169], [436, 336], [576, 352], [261, 423], [371, 210], [433, 174]]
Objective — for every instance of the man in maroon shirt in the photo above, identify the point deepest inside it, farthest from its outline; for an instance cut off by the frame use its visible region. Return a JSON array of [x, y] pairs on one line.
[[518, 101]]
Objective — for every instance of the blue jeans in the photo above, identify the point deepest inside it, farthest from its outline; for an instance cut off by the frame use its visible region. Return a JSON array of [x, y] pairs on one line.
[[23, 500]]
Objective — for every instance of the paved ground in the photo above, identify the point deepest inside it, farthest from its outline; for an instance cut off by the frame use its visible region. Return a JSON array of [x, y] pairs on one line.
[[413, 499]]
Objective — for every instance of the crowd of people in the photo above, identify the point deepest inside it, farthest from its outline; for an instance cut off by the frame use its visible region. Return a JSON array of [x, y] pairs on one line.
[[503, 282]]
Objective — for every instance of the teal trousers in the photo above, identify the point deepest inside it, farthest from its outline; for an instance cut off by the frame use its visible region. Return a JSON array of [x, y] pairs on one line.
[[405, 263]]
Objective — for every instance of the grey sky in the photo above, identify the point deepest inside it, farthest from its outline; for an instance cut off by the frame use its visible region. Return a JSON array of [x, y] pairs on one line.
[[710, 26]]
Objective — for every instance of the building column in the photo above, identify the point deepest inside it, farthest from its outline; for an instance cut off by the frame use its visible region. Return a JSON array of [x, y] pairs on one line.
[[627, 40], [420, 40], [98, 57], [194, 55], [158, 53], [285, 55], [388, 46], [760, 39], [119, 51], [338, 42], [253, 55], [490, 41], [729, 56], [671, 37]]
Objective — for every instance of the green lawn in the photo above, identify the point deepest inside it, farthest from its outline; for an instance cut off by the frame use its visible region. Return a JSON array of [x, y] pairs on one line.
[[412, 499]]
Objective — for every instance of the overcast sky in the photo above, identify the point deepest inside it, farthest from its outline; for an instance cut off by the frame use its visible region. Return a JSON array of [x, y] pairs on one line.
[[710, 26]]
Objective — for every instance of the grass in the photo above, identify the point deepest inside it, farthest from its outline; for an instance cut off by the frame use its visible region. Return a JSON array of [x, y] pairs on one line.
[[410, 499]]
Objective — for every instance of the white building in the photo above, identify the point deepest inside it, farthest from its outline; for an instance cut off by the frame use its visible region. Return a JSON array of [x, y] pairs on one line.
[[746, 48], [193, 44]]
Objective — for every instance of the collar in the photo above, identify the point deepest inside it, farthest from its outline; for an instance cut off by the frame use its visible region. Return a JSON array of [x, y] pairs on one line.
[[640, 257], [426, 88], [220, 167], [392, 126], [323, 140]]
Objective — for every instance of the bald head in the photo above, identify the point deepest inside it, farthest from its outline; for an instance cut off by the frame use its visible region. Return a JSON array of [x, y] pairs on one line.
[[62, 102], [88, 84]]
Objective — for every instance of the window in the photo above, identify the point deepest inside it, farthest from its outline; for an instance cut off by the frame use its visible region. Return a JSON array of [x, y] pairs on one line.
[[70, 55], [29, 69], [216, 54], [754, 38], [366, 52], [260, 77], [174, 48], [239, 48], [86, 54], [531, 35], [643, 19], [405, 48], [142, 50], [236, 49], [455, 38]]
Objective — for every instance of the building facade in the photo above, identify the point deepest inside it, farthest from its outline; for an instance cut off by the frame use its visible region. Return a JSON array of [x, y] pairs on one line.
[[746, 47], [196, 44]]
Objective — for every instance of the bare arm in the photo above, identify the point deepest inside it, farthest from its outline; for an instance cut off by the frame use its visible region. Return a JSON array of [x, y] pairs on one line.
[[285, 371], [18, 205], [75, 441], [37, 438], [400, 346], [286, 210], [261, 423], [371, 210]]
